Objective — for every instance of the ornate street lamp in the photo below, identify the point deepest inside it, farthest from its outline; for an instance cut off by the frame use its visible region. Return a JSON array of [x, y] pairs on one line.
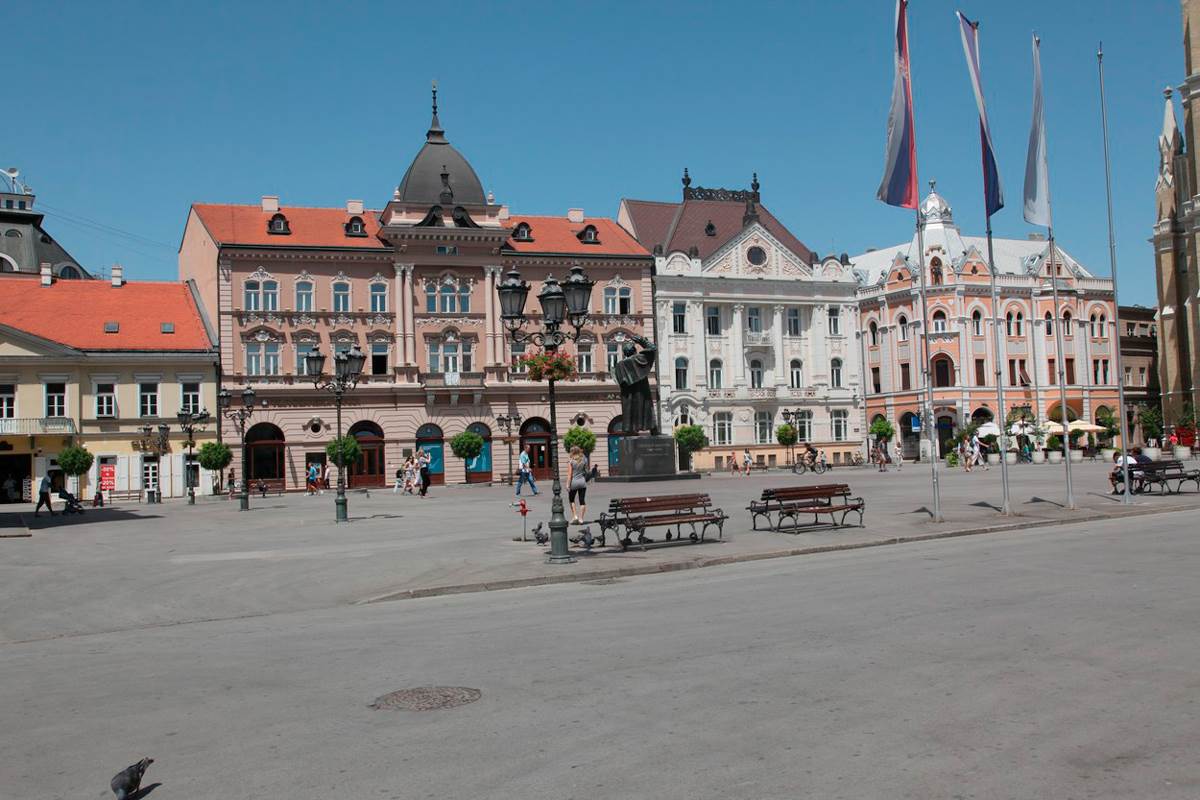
[[347, 370], [790, 417], [568, 302], [189, 423], [507, 422], [239, 416]]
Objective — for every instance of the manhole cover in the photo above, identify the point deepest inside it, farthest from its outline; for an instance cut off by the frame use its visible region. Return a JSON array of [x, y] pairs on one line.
[[427, 698]]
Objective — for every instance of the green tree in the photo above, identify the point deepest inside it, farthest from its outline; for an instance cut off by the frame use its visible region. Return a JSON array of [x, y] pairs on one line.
[[1111, 424], [1056, 415], [689, 439], [580, 437], [882, 429], [347, 446], [1150, 418], [467, 445], [785, 434], [215, 457], [75, 460]]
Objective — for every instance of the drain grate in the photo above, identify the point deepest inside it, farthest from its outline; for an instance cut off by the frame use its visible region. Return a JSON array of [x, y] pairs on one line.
[[426, 698]]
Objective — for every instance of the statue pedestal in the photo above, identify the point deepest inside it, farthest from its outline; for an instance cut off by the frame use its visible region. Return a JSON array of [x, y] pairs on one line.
[[648, 458]]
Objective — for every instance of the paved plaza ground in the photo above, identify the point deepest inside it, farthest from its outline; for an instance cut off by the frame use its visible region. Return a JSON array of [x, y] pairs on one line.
[[144, 565]]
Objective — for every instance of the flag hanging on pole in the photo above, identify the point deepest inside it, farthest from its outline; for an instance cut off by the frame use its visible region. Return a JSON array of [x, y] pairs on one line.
[[899, 184], [993, 192], [1037, 170]]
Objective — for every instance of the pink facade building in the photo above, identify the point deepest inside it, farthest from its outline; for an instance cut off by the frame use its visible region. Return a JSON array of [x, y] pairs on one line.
[[414, 286]]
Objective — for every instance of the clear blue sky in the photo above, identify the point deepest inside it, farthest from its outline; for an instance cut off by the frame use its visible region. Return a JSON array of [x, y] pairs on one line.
[[129, 112]]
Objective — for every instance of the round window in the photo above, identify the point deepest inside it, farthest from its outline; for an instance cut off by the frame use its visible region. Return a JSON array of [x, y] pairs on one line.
[[315, 427], [757, 256]]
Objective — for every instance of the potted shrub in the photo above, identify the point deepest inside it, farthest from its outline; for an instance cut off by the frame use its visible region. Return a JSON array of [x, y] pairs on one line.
[[1112, 429], [1150, 418], [1076, 445], [1185, 432], [467, 446], [580, 437], [992, 441], [689, 439], [75, 461], [785, 434], [1054, 449], [215, 457], [882, 429], [342, 453]]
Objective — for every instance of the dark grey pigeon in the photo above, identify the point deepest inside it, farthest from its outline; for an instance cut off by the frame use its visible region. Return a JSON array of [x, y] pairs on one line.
[[126, 782]]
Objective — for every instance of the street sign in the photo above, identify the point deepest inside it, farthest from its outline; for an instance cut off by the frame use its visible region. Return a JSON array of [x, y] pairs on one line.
[[916, 423]]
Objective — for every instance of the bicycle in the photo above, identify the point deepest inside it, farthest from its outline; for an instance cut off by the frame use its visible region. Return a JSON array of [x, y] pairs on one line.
[[816, 467]]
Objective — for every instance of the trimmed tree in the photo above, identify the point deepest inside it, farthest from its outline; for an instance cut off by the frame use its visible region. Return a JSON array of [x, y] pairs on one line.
[[467, 445], [689, 439], [75, 461], [347, 447], [215, 457], [882, 429], [1150, 418], [580, 437], [785, 434], [1111, 424]]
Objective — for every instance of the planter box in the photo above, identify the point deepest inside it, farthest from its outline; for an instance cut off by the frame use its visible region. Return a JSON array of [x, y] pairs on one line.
[[1055, 456], [1182, 452], [1076, 456], [1152, 453], [1010, 457], [993, 458], [1039, 456], [1106, 453]]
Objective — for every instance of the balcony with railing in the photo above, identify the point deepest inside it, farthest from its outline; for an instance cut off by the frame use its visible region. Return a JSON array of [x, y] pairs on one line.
[[758, 339], [452, 380], [37, 426]]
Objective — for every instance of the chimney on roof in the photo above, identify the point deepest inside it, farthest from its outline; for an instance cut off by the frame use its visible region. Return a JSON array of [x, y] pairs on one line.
[[354, 206], [46, 273], [575, 214], [504, 213], [118, 275], [270, 203]]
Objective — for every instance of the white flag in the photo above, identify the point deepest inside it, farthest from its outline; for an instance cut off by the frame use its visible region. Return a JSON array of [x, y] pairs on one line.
[[1037, 171]]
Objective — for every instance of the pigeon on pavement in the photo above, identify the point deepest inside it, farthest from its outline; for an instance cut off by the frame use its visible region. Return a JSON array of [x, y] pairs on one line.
[[126, 782]]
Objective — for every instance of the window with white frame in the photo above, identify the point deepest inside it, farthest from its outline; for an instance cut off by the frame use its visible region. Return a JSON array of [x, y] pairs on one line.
[[379, 304], [8, 401], [341, 296], [793, 322], [148, 399], [379, 358], [681, 373], [712, 319], [835, 321], [1129, 376], [679, 317], [763, 432], [270, 296], [976, 323], [1067, 330], [253, 358], [835, 373], [902, 327], [106, 400], [189, 396], [270, 359], [304, 296], [251, 296], [612, 354], [756, 374], [684, 417], [723, 428], [56, 399], [796, 370], [617, 299], [804, 426], [715, 376], [939, 321], [450, 356], [1049, 324], [840, 418], [583, 357], [303, 350], [754, 319], [517, 353]]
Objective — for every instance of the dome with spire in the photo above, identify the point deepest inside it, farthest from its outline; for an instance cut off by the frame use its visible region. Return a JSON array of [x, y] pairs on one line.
[[439, 175], [935, 208]]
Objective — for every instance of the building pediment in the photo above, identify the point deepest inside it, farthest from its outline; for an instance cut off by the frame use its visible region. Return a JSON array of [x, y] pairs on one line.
[[20, 344], [756, 253]]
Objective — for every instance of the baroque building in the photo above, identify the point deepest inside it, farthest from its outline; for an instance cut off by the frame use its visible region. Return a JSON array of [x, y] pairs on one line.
[[413, 284], [25, 246], [963, 361], [1139, 362], [751, 322]]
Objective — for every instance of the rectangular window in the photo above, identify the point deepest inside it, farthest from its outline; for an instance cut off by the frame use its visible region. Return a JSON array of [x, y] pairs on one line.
[[905, 378], [793, 322], [1095, 371], [304, 296], [679, 317], [148, 399], [379, 298], [271, 359], [1129, 376], [250, 296], [341, 297], [189, 397], [612, 353], [583, 358], [254, 359], [302, 351], [1104, 370], [625, 300], [447, 250], [763, 434], [835, 321], [1052, 369], [106, 400], [980, 372], [518, 352], [270, 296], [1069, 363], [840, 425], [1022, 374], [1141, 376], [379, 358], [56, 399], [712, 318], [1012, 372], [8, 401], [754, 319], [723, 428], [875, 380]]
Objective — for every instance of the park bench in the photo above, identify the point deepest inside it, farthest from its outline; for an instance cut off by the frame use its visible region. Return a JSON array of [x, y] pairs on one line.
[[790, 502], [636, 514], [1161, 474], [111, 495]]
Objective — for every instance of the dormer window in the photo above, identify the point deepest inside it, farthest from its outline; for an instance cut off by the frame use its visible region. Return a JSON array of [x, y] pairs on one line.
[[589, 235], [710, 229], [523, 233], [355, 227], [278, 225]]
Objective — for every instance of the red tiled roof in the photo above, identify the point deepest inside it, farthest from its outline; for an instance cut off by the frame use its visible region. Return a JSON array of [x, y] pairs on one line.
[[311, 227], [560, 235], [689, 219], [73, 313]]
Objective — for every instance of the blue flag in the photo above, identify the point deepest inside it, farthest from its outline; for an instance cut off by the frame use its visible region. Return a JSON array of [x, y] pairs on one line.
[[992, 191]]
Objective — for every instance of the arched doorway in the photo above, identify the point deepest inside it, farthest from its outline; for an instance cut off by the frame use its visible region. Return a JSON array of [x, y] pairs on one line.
[[265, 446], [943, 371], [536, 433], [945, 430], [1054, 413], [368, 470], [910, 435], [479, 468], [430, 439], [614, 445], [981, 415]]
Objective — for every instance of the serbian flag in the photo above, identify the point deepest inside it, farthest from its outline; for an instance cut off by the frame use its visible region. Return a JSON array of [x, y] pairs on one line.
[[1037, 170], [899, 184], [992, 191]]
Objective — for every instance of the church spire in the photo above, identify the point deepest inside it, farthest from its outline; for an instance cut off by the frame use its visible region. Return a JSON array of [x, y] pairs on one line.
[[435, 132]]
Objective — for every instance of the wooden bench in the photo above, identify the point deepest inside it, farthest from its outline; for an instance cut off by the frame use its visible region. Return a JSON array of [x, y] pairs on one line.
[[790, 502], [636, 514], [111, 495], [1159, 473]]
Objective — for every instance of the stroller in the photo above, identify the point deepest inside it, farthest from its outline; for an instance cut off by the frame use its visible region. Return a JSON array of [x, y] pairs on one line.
[[73, 506]]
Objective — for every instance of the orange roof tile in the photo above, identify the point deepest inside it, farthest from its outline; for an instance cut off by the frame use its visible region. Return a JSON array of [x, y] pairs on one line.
[[560, 235], [73, 313], [311, 227]]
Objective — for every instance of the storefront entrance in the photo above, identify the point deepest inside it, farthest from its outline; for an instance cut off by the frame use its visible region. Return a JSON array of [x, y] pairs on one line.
[[15, 472], [369, 469], [264, 453], [431, 440], [479, 469], [536, 434]]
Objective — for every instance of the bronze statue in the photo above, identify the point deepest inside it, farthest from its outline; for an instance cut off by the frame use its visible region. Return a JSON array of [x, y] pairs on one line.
[[633, 376]]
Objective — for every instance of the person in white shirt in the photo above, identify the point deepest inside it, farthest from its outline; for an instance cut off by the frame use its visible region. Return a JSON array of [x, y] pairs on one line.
[[1118, 472]]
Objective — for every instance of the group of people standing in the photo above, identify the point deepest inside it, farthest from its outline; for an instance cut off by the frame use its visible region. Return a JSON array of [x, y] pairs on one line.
[[881, 458], [972, 452], [413, 476]]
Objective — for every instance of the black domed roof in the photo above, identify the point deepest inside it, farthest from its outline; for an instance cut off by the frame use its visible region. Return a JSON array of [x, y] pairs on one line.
[[438, 168]]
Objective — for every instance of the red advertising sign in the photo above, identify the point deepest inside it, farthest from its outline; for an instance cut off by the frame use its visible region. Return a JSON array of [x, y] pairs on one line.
[[108, 477]]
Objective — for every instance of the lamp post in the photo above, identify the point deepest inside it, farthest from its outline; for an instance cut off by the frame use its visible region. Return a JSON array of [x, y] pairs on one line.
[[567, 302], [790, 416], [156, 437], [347, 369], [507, 422], [239, 416], [189, 422]]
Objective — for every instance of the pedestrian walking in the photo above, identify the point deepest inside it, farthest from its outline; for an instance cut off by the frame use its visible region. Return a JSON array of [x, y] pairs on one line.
[[746, 461], [398, 486], [578, 471], [899, 457], [423, 461], [733, 463], [314, 473], [325, 477], [881, 455], [525, 472], [232, 483], [44, 496], [410, 475]]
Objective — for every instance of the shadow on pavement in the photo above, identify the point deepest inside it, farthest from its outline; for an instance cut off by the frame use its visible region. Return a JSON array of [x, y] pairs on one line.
[[93, 515]]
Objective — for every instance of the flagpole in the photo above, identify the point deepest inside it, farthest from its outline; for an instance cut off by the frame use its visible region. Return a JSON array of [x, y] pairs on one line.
[[1059, 368], [1126, 497], [1006, 506], [925, 376]]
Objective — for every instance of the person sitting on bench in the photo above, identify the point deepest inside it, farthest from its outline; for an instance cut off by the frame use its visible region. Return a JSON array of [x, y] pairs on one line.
[[1118, 472]]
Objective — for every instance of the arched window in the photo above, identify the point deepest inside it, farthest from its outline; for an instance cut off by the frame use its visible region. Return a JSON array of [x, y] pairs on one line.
[[341, 296], [430, 298], [355, 227], [523, 233], [935, 272], [464, 297], [69, 273], [379, 298], [715, 374], [1014, 323], [873, 330], [617, 300], [270, 292], [304, 296], [1066, 323], [835, 373], [684, 417], [796, 368], [251, 297], [756, 374], [804, 426], [1049, 321], [939, 321], [943, 371], [612, 354], [835, 321], [902, 327], [449, 295], [278, 225], [681, 373], [976, 323]]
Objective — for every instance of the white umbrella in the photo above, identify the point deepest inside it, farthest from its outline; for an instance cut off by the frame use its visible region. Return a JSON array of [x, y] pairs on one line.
[[1022, 428], [1053, 428], [1086, 427], [988, 429]]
